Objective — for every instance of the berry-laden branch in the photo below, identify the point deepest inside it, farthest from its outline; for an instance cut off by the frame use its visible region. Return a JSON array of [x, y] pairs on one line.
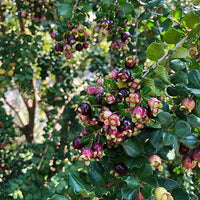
[[55, 125], [163, 57]]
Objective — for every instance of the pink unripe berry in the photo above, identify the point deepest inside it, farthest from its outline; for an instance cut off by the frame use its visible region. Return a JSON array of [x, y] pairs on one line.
[[100, 82], [91, 90], [187, 104], [86, 154]]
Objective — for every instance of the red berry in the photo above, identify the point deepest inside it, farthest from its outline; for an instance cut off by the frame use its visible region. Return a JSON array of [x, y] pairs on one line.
[[187, 104], [114, 45], [86, 133], [86, 45], [76, 143], [68, 55], [84, 109], [120, 168], [188, 162], [97, 147], [196, 155], [124, 75], [183, 149], [86, 154], [91, 90]]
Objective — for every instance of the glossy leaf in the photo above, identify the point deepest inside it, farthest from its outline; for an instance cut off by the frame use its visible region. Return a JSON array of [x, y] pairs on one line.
[[155, 51], [194, 78], [165, 118], [132, 182], [181, 128]]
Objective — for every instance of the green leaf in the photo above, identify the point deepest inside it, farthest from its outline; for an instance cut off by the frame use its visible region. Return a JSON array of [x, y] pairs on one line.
[[96, 173], [194, 31], [181, 128], [194, 78], [179, 77], [155, 51], [147, 191], [172, 36], [132, 148], [79, 187], [168, 139], [197, 109], [167, 183], [180, 193], [161, 73], [64, 10], [190, 141], [165, 118], [84, 7], [126, 8], [196, 92], [181, 52], [178, 13], [132, 182], [194, 121], [85, 139], [58, 197], [128, 193], [144, 172], [190, 20], [134, 162], [156, 138], [92, 100], [177, 65]]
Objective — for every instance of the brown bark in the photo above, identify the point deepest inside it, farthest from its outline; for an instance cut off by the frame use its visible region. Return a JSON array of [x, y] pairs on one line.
[[2, 20], [21, 24]]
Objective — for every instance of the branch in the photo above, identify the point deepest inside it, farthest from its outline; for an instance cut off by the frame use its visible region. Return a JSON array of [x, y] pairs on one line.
[[137, 32], [15, 110], [55, 124], [163, 57], [21, 24]]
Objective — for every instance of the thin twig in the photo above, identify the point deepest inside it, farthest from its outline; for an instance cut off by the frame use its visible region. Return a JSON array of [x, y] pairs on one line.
[[163, 57], [137, 32]]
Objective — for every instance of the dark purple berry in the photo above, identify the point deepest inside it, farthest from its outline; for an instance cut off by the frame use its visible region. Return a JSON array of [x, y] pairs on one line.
[[71, 39], [130, 62], [196, 155], [79, 47], [76, 143], [126, 125], [125, 36], [123, 93], [183, 149], [84, 109], [86, 45], [59, 47], [99, 98], [124, 75], [120, 168]]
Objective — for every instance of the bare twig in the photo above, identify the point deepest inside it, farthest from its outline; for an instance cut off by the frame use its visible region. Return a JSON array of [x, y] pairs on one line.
[[137, 32], [187, 68], [163, 57]]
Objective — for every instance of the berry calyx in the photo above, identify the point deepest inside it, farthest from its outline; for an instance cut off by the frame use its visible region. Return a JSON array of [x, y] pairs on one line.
[[76, 143], [156, 162], [155, 106], [130, 62], [193, 51], [134, 85], [124, 75], [110, 99], [84, 109], [113, 121], [133, 99], [97, 150]]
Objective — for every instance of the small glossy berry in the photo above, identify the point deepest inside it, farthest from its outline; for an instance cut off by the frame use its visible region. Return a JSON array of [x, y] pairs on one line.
[[120, 168], [124, 75], [196, 155], [188, 162], [84, 109], [125, 36], [76, 143], [79, 47], [130, 62], [123, 93]]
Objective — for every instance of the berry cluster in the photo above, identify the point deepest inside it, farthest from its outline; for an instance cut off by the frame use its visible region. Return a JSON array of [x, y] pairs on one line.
[[37, 8], [125, 36], [114, 112], [189, 159], [74, 39]]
